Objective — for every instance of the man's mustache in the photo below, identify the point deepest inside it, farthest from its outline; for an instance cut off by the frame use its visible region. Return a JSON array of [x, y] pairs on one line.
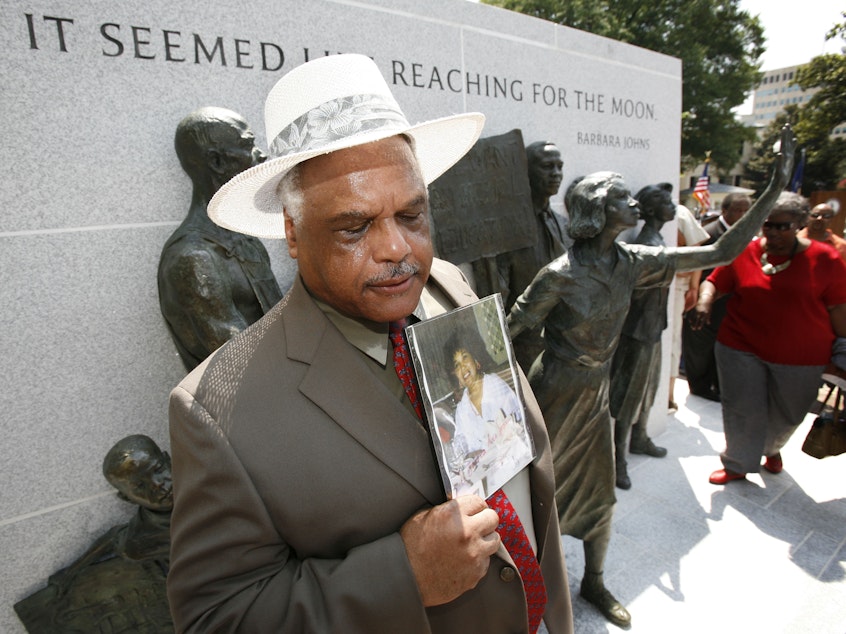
[[395, 271]]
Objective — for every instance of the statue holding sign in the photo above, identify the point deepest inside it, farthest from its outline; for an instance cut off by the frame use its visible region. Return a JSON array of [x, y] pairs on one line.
[[482, 207], [581, 299], [213, 282], [492, 209]]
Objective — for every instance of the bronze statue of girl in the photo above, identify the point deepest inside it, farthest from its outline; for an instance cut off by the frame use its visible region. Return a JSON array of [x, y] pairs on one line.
[[581, 299]]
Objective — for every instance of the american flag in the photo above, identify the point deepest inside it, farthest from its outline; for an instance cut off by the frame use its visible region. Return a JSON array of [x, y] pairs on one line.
[[700, 192]]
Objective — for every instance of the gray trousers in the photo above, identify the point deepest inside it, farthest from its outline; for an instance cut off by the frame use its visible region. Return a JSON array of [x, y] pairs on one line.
[[763, 404]]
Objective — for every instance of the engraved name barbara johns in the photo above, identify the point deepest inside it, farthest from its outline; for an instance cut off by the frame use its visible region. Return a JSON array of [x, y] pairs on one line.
[[603, 139], [50, 33]]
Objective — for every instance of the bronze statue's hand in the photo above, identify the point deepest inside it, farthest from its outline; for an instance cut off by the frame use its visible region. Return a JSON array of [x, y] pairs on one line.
[[784, 158], [449, 547]]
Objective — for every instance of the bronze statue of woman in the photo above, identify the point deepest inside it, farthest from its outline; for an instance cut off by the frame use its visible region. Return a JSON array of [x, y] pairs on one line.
[[581, 298]]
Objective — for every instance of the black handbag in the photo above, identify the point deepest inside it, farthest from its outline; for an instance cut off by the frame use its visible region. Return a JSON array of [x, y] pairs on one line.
[[827, 436]]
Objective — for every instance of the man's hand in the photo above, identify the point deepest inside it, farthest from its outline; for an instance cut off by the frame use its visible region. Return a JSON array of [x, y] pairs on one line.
[[449, 547]]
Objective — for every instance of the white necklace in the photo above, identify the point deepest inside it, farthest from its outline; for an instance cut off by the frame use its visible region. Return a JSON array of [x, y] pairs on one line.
[[772, 269]]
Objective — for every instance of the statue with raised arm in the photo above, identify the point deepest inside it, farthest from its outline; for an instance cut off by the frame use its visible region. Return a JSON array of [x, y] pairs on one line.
[[213, 282], [582, 299]]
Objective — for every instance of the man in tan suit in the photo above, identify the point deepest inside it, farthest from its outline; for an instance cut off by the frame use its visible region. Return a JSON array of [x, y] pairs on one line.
[[306, 494]]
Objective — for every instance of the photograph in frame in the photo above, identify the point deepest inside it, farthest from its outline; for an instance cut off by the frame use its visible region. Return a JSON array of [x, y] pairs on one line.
[[471, 392]]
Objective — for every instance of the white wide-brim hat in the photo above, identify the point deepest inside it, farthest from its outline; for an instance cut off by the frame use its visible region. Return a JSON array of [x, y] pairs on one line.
[[324, 105]]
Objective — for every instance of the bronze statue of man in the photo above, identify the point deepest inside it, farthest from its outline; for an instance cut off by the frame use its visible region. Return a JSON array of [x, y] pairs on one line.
[[518, 268], [213, 282], [118, 584]]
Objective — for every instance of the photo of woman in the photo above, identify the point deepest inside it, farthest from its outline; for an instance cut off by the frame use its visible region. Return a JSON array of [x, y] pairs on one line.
[[480, 430]]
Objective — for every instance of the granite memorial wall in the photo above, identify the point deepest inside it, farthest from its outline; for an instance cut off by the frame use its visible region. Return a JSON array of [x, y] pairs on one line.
[[93, 93]]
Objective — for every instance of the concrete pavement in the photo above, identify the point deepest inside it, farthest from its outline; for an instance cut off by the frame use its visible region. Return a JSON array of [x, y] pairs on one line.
[[763, 555]]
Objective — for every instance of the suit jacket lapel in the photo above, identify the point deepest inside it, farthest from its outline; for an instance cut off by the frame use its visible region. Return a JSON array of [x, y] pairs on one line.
[[340, 382], [371, 415]]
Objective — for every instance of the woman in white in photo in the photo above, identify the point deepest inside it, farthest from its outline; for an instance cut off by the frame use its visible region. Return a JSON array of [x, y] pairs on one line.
[[488, 416]]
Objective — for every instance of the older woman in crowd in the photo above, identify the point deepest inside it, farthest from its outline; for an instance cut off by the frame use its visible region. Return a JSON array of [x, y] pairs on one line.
[[787, 306]]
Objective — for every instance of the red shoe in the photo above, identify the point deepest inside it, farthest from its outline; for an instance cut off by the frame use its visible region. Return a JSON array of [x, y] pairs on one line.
[[722, 476], [774, 464]]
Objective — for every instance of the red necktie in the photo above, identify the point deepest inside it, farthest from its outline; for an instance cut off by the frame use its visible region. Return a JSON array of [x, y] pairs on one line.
[[510, 527], [514, 538], [403, 364]]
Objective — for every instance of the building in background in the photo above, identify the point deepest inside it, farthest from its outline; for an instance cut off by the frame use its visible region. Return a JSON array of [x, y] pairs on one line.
[[776, 91]]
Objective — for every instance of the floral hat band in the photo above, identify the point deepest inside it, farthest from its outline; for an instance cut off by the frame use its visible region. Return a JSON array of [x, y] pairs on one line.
[[329, 104], [336, 120]]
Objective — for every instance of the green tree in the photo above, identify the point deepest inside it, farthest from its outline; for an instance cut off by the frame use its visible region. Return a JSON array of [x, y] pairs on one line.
[[718, 43], [838, 30], [826, 156]]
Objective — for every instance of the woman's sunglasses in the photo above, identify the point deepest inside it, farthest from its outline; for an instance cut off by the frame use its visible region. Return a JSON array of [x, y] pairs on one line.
[[777, 226]]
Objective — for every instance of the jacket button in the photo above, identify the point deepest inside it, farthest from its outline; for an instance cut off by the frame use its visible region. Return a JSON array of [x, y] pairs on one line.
[[507, 574]]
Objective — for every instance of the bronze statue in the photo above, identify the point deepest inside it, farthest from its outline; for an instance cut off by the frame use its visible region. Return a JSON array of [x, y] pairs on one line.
[[581, 299], [636, 366], [518, 268], [213, 282], [118, 585]]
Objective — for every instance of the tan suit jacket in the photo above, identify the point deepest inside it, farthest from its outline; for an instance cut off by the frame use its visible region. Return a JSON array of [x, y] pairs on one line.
[[294, 469]]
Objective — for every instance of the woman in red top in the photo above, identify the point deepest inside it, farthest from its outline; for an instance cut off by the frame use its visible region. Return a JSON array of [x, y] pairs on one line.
[[787, 307]]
